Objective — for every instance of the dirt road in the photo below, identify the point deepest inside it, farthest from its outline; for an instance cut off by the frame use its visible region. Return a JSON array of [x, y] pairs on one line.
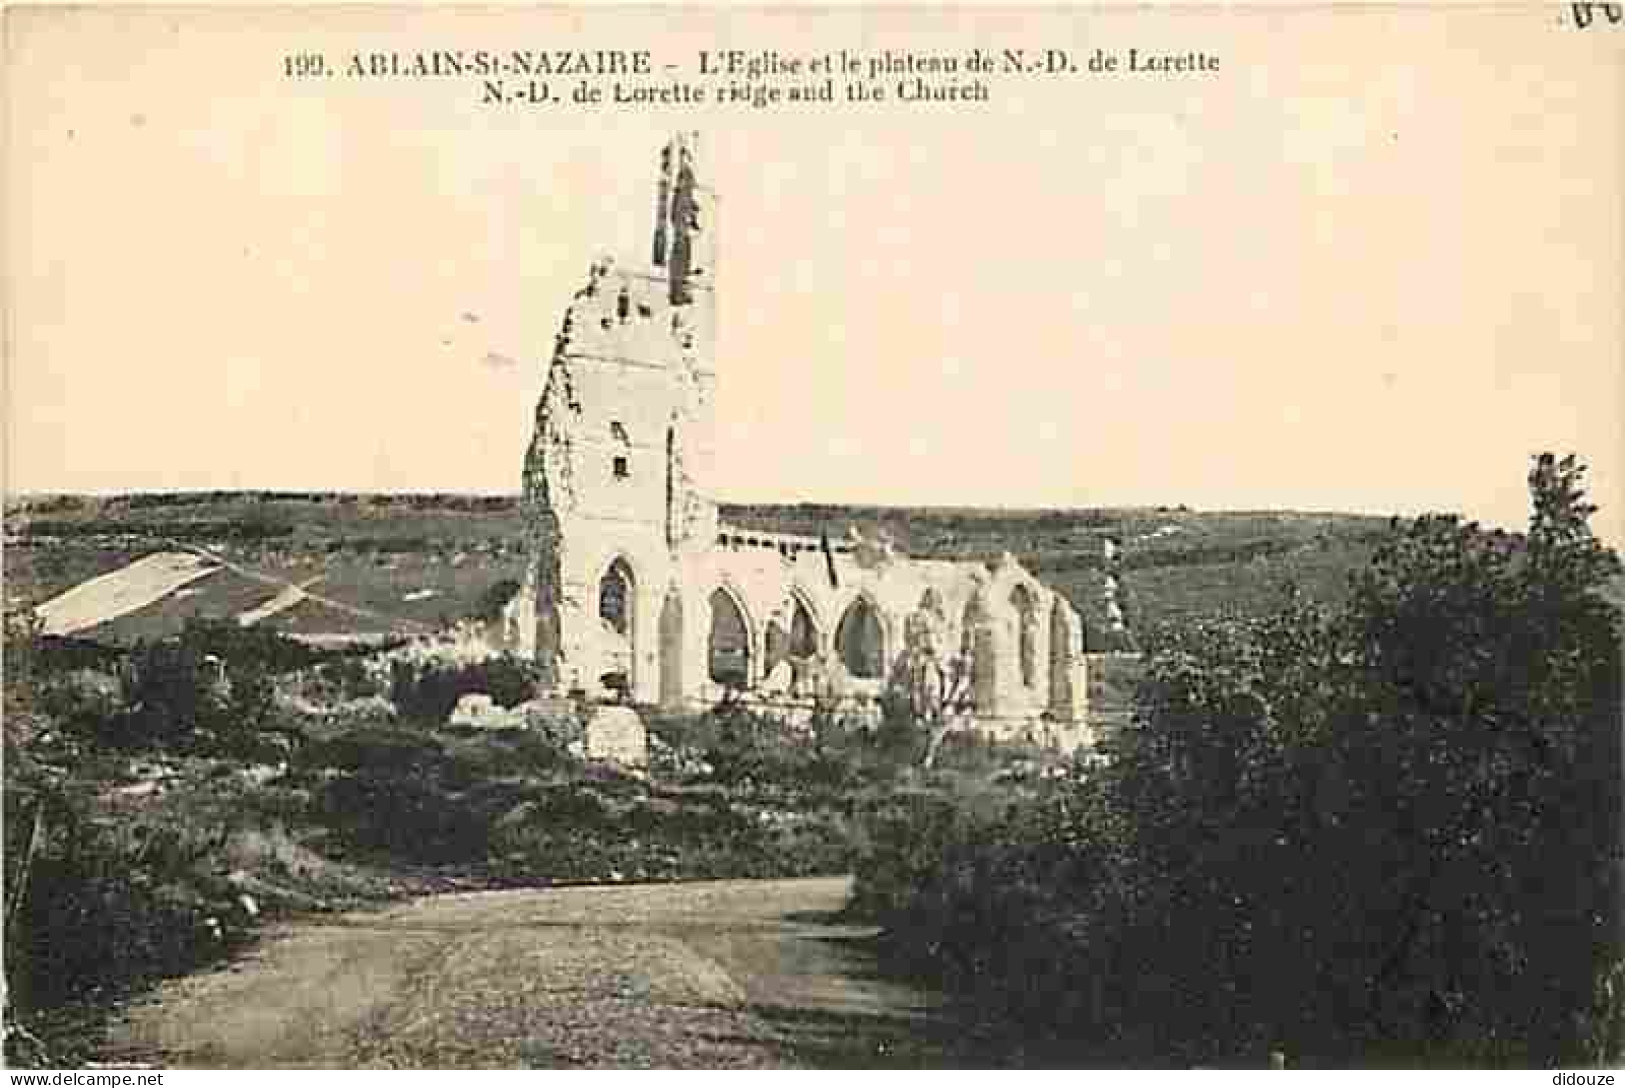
[[730, 974]]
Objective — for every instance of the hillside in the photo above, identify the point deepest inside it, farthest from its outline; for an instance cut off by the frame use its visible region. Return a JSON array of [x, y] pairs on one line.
[[346, 565], [360, 564]]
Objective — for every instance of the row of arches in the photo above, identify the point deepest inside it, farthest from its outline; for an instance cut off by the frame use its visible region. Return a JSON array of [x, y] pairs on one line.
[[859, 638], [862, 641]]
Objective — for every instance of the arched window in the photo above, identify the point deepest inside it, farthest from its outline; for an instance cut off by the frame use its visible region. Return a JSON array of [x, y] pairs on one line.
[[616, 601], [980, 657], [797, 643], [859, 640], [1026, 606], [615, 597], [1060, 657], [729, 645], [803, 633]]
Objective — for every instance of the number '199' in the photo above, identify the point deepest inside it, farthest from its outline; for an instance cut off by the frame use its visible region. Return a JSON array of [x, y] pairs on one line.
[[296, 65]]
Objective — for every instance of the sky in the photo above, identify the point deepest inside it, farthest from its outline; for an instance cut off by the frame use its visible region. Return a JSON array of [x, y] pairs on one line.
[[1373, 263]]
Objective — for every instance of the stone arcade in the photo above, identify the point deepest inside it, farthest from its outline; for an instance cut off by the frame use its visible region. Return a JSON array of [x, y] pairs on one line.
[[633, 585]]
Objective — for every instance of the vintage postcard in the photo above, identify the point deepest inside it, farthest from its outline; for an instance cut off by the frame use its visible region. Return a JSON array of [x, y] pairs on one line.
[[866, 536]]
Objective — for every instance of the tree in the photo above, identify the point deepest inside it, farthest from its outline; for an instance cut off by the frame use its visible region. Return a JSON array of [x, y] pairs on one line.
[[1412, 802], [1389, 831]]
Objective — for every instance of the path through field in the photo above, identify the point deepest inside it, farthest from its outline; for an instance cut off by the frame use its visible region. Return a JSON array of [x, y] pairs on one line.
[[287, 597], [303, 590], [729, 974]]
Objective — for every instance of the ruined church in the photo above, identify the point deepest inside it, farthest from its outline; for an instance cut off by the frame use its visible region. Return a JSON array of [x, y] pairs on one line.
[[633, 585]]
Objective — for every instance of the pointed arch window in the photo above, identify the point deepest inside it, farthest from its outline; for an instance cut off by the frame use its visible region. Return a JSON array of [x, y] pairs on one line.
[[859, 640]]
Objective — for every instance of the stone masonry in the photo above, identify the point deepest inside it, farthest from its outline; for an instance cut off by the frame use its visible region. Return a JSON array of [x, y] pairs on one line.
[[633, 586]]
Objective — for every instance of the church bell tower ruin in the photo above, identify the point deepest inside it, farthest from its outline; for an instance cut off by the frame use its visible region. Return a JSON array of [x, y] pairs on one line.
[[633, 587], [615, 477]]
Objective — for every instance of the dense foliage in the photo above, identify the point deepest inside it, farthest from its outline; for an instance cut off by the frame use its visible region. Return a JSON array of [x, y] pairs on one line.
[[160, 803], [1388, 832], [1384, 830], [207, 692], [428, 691], [141, 837]]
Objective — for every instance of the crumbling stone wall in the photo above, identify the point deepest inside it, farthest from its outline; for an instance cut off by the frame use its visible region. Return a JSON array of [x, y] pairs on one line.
[[622, 441], [618, 475]]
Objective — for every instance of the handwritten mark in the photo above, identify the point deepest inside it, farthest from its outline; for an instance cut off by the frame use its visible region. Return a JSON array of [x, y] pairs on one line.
[[1587, 14]]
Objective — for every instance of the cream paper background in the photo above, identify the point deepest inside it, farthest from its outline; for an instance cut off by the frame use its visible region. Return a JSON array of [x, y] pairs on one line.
[[1373, 263]]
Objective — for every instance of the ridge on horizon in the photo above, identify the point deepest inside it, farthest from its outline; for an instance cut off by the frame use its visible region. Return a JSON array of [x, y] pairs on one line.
[[316, 494]]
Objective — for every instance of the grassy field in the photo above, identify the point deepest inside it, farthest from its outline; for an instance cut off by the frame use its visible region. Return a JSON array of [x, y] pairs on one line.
[[413, 561]]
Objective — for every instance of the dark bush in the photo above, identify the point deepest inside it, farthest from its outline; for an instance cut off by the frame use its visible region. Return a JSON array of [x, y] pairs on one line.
[[381, 749], [428, 692], [262, 648], [1347, 833], [508, 753], [201, 693], [345, 679], [495, 599], [407, 813], [97, 906]]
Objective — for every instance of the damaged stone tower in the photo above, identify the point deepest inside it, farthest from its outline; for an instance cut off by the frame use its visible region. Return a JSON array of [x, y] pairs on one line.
[[615, 480], [633, 588]]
